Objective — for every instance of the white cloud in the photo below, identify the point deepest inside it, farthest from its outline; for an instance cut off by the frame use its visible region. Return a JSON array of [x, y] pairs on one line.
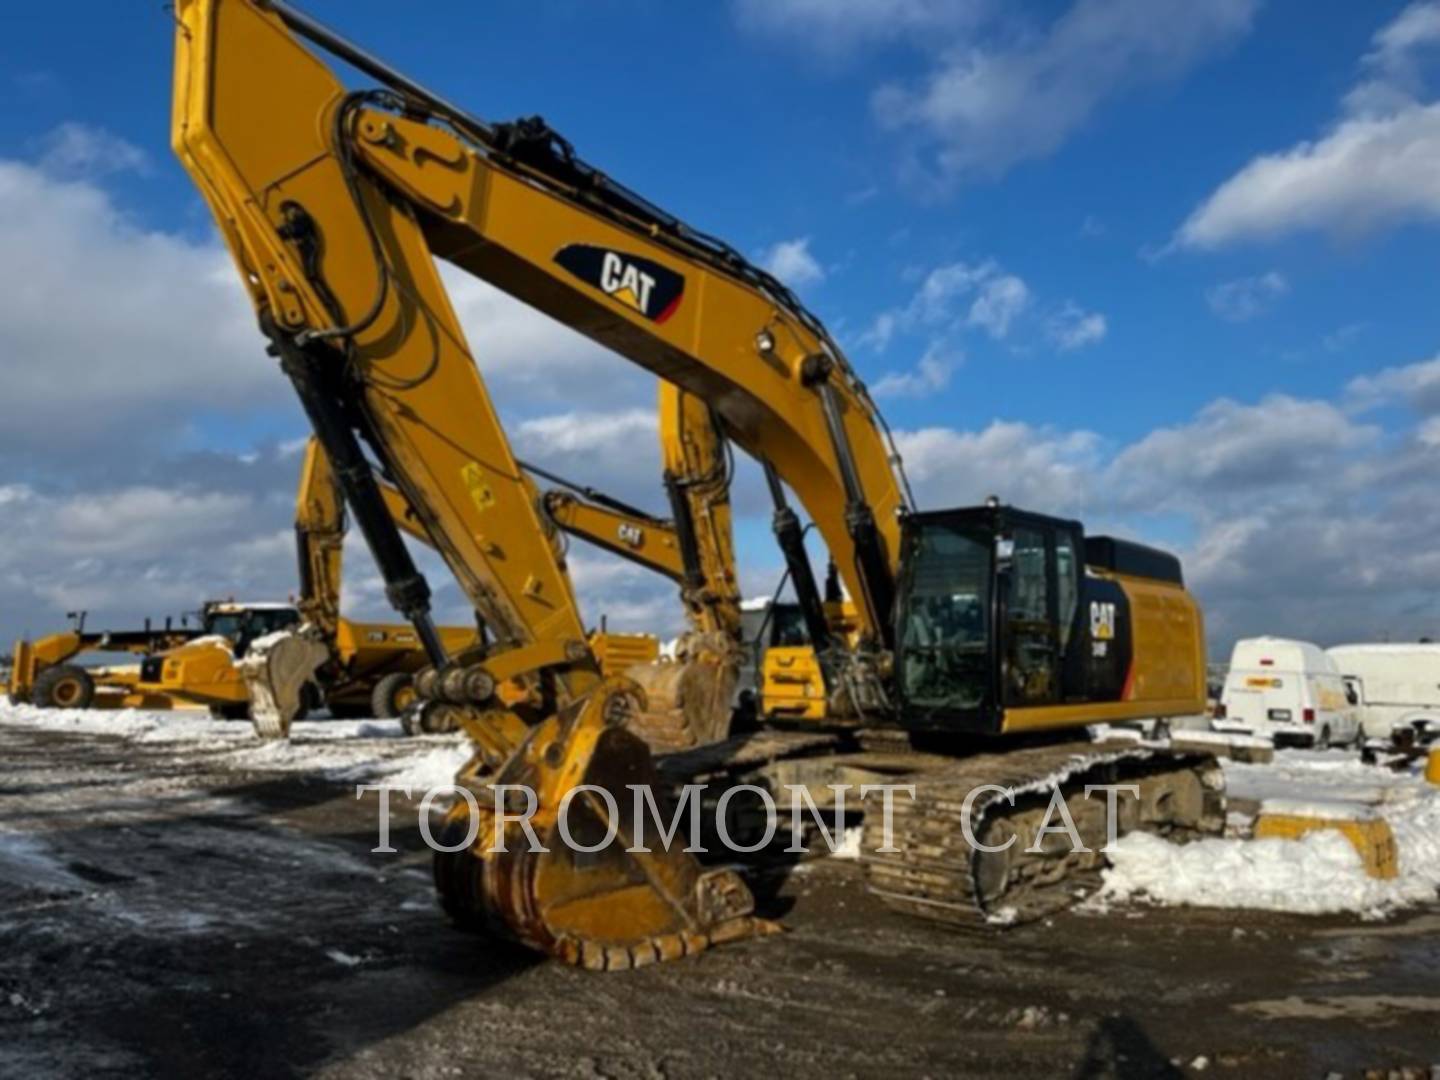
[[1000, 302], [836, 26], [931, 374], [1377, 166], [961, 296], [1367, 173], [79, 150], [1245, 298], [989, 106], [1072, 327], [1038, 468], [586, 433], [1416, 385], [530, 360], [120, 346], [792, 263], [935, 301], [617, 452], [111, 334], [1295, 518], [951, 298], [1232, 449], [146, 549]]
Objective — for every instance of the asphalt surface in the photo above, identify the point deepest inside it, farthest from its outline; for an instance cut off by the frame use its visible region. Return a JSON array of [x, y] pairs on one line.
[[160, 917]]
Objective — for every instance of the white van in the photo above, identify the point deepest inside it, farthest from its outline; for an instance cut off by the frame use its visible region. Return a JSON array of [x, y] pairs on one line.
[[1291, 691], [1396, 686]]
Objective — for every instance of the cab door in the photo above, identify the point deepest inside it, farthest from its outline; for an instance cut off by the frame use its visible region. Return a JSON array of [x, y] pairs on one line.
[[1032, 652]]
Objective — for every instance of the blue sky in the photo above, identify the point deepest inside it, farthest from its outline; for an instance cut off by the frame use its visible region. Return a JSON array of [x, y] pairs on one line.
[[1139, 262]]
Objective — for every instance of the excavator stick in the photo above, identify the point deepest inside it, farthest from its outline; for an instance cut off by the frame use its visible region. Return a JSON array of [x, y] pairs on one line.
[[589, 892]]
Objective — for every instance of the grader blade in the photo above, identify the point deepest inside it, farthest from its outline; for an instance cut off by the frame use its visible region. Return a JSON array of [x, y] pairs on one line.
[[582, 895]]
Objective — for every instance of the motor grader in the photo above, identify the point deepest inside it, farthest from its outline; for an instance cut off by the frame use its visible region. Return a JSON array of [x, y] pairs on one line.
[[43, 672], [986, 638]]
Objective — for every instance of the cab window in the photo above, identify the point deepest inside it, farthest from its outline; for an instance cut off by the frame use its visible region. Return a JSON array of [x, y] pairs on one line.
[[1032, 646], [1067, 584], [945, 619]]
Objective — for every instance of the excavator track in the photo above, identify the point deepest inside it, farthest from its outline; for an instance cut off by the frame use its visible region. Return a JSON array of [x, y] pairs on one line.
[[934, 872]]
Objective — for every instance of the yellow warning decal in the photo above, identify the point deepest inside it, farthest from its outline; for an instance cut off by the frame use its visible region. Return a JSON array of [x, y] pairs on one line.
[[473, 477]]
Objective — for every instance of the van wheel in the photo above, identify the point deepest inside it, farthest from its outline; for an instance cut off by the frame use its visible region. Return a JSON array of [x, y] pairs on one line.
[[1325, 740], [392, 695], [64, 686]]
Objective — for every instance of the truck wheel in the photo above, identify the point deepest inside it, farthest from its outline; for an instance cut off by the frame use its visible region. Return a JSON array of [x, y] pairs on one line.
[[392, 695], [64, 686]]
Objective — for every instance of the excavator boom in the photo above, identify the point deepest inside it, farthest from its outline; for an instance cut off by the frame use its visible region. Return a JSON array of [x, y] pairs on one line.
[[338, 260], [512, 205]]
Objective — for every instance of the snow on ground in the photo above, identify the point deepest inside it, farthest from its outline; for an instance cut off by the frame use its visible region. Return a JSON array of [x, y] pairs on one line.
[[434, 768], [1330, 775], [1318, 874], [1321, 873], [358, 751]]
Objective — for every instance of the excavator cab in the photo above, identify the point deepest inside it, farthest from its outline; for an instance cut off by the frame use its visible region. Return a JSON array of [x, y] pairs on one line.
[[1006, 615]]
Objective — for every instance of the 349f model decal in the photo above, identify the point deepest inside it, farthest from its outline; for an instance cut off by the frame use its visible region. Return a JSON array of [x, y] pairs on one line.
[[638, 283]]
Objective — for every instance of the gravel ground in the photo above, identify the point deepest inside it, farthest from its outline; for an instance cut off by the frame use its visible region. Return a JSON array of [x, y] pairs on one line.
[[161, 915]]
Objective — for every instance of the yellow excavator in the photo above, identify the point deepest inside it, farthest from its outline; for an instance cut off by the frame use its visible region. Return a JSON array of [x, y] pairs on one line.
[[689, 699], [693, 700], [987, 637]]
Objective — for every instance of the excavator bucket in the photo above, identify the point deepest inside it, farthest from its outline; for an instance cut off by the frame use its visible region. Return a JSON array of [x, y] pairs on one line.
[[585, 893], [689, 703], [276, 669]]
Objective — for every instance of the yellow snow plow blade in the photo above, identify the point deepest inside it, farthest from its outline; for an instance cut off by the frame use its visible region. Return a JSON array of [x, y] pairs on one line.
[[573, 886]]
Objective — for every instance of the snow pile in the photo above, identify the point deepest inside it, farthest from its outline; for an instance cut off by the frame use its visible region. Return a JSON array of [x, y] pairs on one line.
[[434, 769], [1223, 738], [132, 724], [339, 750], [1318, 874], [1308, 775]]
